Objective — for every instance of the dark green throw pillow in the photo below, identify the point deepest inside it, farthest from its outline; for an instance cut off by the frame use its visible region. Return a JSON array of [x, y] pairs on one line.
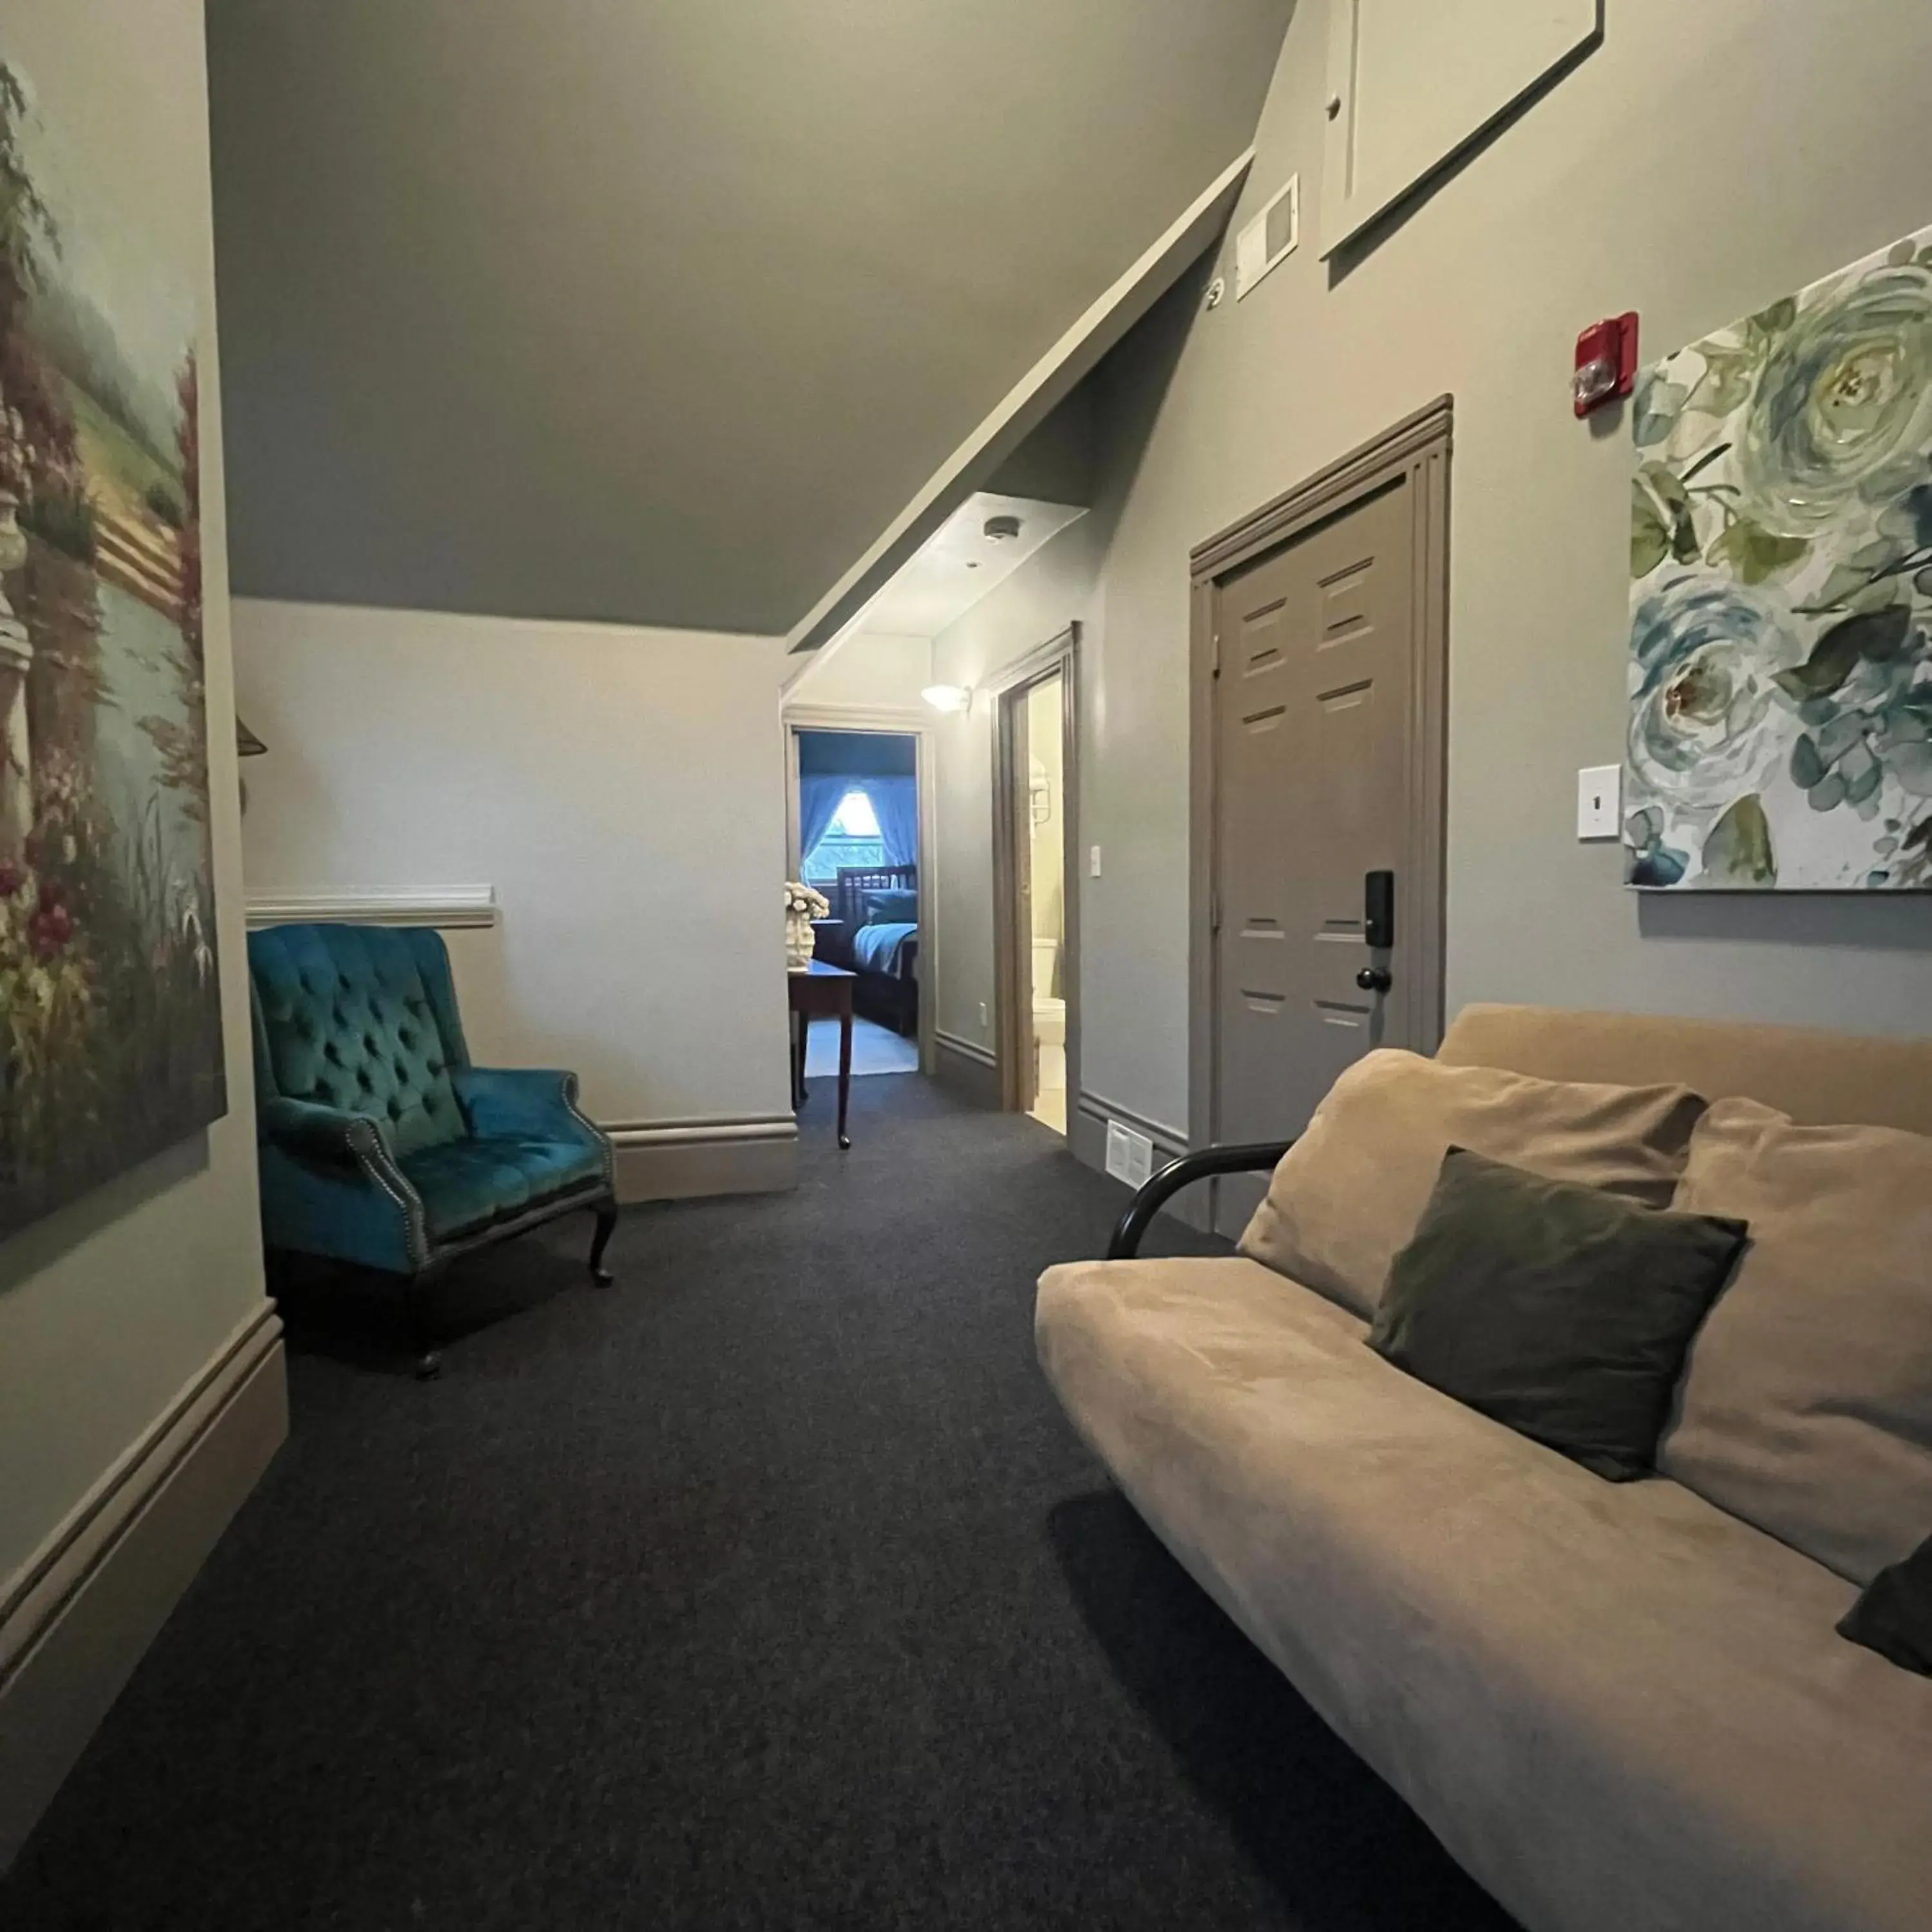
[[1894, 1616], [1558, 1309]]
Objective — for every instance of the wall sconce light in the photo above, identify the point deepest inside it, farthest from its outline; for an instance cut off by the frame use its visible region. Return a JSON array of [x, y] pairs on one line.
[[948, 697]]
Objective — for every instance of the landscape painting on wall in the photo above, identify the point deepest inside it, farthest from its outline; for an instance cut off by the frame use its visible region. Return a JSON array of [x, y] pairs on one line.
[[110, 1023], [1780, 674]]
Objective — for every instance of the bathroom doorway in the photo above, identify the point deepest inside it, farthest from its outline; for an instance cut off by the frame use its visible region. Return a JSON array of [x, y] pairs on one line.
[[1035, 883]]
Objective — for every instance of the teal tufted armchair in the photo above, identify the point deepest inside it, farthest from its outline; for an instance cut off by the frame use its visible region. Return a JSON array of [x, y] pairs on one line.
[[380, 1144]]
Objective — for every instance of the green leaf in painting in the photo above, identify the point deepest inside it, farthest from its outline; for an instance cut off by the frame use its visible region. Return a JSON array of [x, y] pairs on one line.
[[1853, 576], [1726, 384], [1660, 508], [1659, 404], [1650, 542], [1862, 774], [1673, 508], [1737, 852], [1876, 635], [1808, 768], [1773, 320], [1754, 553], [1664, 483]]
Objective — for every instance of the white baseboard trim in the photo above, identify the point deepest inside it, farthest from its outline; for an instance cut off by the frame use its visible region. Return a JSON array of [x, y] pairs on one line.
[[76, 1618], [446, 908], [675, 1160]]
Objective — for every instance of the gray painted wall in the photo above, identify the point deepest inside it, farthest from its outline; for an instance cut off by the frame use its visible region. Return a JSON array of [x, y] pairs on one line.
[[1702, 162], [1035, 603], [659, 314], [1106, 426]]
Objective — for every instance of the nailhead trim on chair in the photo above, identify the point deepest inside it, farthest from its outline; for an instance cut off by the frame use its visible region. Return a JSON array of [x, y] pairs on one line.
[[367, 1143], [570, 1091]]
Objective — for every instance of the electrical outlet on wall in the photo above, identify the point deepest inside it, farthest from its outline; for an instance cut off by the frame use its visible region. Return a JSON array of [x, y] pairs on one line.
[[1599, 801]]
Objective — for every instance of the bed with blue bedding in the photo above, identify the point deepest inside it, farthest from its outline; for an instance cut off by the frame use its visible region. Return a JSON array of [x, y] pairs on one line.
[[874, 932]]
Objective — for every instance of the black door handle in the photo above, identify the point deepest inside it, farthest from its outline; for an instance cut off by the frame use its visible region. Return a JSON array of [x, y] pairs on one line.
[[1374, 979]]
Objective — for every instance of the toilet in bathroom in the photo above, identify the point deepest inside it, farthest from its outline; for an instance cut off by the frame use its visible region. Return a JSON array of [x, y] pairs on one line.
[[1049, 1019]]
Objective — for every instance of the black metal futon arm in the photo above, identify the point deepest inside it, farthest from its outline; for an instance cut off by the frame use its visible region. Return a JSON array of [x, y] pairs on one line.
[[1254, 1158]]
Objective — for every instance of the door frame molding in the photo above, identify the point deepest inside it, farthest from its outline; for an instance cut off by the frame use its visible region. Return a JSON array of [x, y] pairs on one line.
[[1417, 450], [896, 722], [1059, 655]]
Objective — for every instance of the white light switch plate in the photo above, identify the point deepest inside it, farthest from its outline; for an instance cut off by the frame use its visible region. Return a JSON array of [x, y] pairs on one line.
[[1094, 862], [1599, 801]]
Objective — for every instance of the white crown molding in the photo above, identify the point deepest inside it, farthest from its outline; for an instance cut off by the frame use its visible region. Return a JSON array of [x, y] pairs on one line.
[[445, 906]]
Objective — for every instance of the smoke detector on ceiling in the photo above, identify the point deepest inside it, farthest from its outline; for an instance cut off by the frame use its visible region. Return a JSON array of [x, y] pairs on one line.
[[1001, 528]]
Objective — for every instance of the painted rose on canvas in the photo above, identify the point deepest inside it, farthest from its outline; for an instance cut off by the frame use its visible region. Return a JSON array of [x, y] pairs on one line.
[[1781, 675], [110, 1025]]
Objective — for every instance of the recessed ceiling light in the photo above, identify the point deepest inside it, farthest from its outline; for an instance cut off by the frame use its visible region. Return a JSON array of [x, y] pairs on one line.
[[1002, 529]]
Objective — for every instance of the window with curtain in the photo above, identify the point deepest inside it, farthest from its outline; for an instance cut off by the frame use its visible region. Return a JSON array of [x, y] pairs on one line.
[[849, 833]]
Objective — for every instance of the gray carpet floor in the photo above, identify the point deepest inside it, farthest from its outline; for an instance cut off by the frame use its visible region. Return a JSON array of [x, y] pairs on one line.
[[767, 1589]]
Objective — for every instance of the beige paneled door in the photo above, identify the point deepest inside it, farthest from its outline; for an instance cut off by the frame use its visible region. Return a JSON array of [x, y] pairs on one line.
[[1323, 912]]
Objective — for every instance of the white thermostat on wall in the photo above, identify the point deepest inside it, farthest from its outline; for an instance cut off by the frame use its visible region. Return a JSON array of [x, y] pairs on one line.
[[1269, 239]]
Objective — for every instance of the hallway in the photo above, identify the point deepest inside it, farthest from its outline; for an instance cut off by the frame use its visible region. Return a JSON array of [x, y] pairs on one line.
[[767, 1589]]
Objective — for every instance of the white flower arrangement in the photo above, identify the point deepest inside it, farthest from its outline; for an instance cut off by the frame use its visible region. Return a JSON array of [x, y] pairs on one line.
[[802, 902]]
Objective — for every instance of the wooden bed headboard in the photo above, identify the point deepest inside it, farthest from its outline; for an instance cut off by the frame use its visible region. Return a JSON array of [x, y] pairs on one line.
[[854, 882]]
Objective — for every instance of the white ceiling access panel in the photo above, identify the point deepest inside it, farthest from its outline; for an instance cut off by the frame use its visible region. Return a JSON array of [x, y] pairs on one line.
[[1412, 83]]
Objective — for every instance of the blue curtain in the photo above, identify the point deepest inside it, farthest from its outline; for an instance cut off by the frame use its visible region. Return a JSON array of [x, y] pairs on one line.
[[820, 796], [895, 805]]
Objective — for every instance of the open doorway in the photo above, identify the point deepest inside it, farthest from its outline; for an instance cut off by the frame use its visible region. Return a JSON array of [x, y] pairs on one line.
[[860, 831], [1036, 879]]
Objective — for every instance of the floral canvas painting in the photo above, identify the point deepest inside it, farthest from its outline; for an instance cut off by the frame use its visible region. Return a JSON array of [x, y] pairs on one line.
[[110, 1024], [1780, 672]]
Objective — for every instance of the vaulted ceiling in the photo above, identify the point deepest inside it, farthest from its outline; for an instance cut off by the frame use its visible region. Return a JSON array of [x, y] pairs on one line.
[[658, 311]]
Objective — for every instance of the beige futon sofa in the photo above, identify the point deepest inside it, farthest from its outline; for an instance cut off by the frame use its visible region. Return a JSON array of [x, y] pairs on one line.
[[1621, 1708]]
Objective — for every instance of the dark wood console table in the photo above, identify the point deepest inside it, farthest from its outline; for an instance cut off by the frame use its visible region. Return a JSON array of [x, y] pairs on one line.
[[820, 992]]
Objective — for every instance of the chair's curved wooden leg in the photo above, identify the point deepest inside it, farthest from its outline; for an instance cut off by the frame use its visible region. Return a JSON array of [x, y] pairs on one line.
[[607, 1223]]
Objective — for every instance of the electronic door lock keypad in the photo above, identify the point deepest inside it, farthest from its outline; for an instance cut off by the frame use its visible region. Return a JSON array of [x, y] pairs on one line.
[[1379, 910]]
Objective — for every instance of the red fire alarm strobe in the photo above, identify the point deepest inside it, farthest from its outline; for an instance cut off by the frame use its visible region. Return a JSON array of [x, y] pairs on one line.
[[1605, 363]]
